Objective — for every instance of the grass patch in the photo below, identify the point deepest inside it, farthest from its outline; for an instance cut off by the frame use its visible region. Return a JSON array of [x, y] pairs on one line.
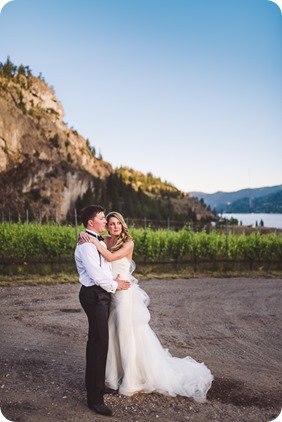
[[37, 279], [143, 272], [175, 271]]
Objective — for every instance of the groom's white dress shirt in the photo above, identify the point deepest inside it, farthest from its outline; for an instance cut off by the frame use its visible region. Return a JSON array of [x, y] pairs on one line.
[[92, 268]]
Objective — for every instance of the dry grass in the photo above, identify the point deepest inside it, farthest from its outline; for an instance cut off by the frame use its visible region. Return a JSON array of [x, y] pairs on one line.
[[144, 272], [37, 279]]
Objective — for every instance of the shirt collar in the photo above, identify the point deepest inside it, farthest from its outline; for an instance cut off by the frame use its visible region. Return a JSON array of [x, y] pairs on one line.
[[91, 231]]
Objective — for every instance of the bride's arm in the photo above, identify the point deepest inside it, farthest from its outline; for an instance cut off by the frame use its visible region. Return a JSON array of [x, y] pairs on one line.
[[124, 251]]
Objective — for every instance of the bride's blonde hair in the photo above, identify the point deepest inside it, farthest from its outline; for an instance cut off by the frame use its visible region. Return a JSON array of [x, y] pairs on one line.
[[124, 235]]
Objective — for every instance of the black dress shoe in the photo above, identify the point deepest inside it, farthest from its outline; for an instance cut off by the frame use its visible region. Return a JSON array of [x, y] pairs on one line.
[[102, 409], [108, 390]]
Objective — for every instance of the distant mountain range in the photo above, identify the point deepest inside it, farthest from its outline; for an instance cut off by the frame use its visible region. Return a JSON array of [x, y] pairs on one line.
[[260, 200]]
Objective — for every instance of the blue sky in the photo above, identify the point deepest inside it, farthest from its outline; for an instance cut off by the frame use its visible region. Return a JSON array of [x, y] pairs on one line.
[[189, 90]]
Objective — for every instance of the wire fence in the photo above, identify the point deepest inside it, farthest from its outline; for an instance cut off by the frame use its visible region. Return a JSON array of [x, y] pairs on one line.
[[74, 219]]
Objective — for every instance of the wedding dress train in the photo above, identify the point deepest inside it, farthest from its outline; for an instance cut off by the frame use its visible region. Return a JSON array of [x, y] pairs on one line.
[[136, 361]]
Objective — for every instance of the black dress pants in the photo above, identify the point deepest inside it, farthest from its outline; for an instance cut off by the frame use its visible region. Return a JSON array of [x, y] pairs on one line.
[[96, 303]]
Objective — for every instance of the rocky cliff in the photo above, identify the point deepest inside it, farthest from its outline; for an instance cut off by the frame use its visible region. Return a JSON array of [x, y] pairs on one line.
[[44, 165], [48, 169]]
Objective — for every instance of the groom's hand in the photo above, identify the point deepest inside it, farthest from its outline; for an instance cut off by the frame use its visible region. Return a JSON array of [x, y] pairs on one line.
[[122, 284]]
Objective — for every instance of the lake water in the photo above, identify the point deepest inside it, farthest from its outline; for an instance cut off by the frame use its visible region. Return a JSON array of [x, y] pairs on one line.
[[269, 220]]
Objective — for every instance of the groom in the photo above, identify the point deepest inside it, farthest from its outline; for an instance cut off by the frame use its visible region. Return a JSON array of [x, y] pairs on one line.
[[97, 283]]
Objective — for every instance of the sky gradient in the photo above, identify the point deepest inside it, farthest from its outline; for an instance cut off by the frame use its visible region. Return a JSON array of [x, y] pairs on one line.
[[189, 90]]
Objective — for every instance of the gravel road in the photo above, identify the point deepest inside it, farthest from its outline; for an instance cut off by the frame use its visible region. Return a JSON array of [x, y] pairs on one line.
[[233, 325]]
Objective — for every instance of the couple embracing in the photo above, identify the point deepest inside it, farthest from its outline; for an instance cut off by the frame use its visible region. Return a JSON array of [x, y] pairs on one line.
[[123, 354]]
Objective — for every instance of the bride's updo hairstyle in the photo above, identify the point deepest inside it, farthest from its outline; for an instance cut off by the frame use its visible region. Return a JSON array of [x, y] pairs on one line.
[[124, 235]]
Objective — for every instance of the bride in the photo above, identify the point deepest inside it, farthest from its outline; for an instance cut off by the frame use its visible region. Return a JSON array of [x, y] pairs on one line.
[[136, 360]]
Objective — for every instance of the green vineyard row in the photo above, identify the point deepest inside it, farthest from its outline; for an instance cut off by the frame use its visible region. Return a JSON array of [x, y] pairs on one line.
[[34, 242]]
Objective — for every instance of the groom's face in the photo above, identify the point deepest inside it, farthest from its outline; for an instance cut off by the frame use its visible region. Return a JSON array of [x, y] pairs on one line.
[[98, 223]]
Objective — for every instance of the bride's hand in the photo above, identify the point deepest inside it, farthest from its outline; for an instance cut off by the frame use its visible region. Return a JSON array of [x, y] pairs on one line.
[[83, 237]]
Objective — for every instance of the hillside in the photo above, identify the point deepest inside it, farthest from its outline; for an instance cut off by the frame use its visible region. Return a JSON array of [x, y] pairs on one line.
[[260, 200], [48, 170], [181, 203], [44, 165]]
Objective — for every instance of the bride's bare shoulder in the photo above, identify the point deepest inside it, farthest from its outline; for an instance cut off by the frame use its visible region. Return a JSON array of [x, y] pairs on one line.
[[106, 239]]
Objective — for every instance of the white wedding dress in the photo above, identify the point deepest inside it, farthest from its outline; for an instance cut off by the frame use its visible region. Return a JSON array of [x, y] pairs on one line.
[[136, 361]]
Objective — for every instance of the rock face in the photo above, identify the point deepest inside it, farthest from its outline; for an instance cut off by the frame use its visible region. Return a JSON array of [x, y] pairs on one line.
[[44, 165], [46, 168]]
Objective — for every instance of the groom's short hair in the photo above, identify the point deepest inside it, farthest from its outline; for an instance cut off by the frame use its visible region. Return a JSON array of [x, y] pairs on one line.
[[90, 212]]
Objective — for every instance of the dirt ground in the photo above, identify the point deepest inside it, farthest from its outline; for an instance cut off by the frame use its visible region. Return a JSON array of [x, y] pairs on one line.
[[233, 325]]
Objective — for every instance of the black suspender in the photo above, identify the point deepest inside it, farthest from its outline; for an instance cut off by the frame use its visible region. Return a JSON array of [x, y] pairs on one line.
[[94, 235]]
